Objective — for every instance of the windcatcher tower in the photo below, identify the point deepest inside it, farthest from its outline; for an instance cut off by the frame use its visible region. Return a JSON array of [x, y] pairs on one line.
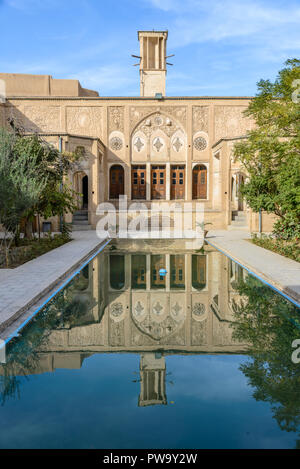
[[153, 48]]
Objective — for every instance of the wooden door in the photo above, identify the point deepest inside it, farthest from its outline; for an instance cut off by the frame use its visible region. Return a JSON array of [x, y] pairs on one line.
[[158, 182], [157, 262], [177, 182], [138, 271], [200, 182], [116, 186], [138, 182], [198, 271], [177, 264]]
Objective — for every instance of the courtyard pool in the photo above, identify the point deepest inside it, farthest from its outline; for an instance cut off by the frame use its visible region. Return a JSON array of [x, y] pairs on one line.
[[128, 356]]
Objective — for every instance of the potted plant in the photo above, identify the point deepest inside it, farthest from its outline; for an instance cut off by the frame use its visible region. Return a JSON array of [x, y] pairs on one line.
[[202, 226]]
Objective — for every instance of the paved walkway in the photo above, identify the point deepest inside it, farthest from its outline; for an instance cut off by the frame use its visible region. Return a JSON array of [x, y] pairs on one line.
[[24, 286], [279, 271]]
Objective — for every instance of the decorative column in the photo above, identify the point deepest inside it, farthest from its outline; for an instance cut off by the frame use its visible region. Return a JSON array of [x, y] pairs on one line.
[[95, 279], [168, 275], [168, 181], [148, 272], [93, 184], [148, 181]]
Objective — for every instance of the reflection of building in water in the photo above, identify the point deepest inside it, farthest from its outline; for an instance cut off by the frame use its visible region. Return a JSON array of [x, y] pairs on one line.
[[152, 379], [130, 307]]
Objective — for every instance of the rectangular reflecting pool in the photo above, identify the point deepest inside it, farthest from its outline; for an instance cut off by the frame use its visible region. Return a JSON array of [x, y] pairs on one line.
[[153, 345]]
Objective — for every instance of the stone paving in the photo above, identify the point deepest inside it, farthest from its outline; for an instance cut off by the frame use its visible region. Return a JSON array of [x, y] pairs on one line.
[[22, 287], [279, 271]]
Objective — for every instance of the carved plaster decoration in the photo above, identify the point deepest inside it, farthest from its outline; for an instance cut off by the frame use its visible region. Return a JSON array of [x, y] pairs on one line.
[[158, 144], [116, 118], [139, 309], [116, 311], [137, 113], [116, 143], [230, 122], [177, 311], [38, 118], [198, 311], [200, 143], [200, 118], [138, 144], [158, 120], [177, 144], [199, 332], [156, 322], [158, 309], [85, 120], [43, 118], [116, 333]]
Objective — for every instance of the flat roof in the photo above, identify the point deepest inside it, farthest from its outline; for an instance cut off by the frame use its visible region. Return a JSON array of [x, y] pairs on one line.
[[131, 98], [165, 32]]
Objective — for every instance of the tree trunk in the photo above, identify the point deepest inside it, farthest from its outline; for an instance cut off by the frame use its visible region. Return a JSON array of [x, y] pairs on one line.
[[17, 237], [28, 229]]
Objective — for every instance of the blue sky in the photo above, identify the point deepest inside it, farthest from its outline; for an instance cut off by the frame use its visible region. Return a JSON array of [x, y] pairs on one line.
[[221, 47]]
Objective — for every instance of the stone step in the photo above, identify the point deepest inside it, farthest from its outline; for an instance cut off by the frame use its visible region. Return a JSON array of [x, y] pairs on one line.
[[80, 212], [80, 222], [240, 216], [238, 223], [80, 217], [81, 227], [234, 227]]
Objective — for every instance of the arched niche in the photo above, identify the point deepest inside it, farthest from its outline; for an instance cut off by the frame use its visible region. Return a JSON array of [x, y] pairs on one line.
[[81, 186], [159, 135]]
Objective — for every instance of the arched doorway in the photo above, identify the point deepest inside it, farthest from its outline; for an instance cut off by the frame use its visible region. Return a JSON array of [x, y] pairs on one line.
[[85, 192], [240, 181], [81, 186], [199, 182], [116, 181]]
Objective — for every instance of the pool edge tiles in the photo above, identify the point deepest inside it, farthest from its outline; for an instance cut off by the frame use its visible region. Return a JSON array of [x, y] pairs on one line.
[[255, 274], [16, 330]]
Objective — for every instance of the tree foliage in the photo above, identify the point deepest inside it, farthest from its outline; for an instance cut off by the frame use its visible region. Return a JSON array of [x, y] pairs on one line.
[[271, 154], [31, 175], [269, 324], [20, 187], [55, 198]]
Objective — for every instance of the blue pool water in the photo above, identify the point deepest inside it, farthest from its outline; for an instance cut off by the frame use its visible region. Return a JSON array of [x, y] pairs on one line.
[[123, 357]]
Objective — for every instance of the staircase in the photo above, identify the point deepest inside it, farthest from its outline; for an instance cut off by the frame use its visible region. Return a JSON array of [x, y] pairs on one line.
[[239, 221], [80, 221]]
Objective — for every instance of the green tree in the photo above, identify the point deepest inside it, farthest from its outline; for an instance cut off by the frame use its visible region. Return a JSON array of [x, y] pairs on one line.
[[271, 154], [56, 198], [19, 186], [269, 324]]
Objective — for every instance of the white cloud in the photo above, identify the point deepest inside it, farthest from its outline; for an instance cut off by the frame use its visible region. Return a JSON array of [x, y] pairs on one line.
[[197, 21], [109, 79]]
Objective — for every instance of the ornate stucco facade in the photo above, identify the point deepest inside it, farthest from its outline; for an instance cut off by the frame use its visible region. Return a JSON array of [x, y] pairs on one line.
[[148, 147]]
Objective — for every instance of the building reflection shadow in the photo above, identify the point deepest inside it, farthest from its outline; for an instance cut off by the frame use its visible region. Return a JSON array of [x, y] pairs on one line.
[[126, 304]]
